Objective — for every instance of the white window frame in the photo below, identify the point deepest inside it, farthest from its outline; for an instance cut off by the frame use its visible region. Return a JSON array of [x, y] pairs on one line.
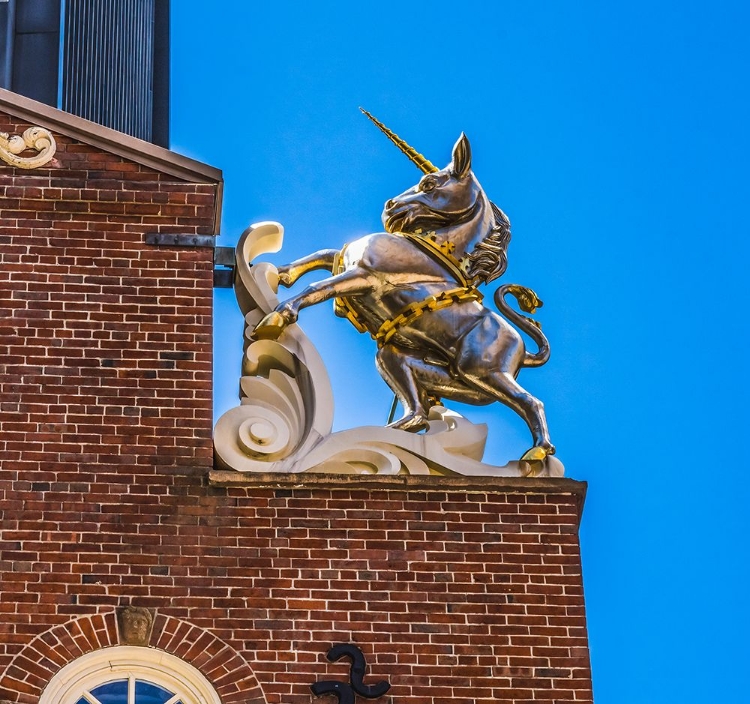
[[129, 662]]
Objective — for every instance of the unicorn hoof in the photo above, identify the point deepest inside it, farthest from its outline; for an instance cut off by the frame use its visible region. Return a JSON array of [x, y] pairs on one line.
[[285, 278], [270, 327], [535, 453], [532, 462], [412, 423], [530, 468]]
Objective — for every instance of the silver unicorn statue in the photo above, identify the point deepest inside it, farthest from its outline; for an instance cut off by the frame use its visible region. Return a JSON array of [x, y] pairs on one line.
[[414, 289]]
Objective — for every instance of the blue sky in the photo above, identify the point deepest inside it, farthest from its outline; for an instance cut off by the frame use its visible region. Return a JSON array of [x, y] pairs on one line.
[[615, 136]]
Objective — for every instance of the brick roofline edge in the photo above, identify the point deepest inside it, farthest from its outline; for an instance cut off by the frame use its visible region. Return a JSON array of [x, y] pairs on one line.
[[137, 150]]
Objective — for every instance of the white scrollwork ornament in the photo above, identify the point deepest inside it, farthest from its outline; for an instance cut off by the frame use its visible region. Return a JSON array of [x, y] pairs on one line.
[[285, 395], [36, 139]]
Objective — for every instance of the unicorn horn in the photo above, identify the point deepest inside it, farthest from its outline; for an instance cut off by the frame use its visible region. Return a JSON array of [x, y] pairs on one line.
[[424, 165]]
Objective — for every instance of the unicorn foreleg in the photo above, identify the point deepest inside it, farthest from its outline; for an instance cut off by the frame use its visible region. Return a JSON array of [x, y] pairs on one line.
[[323, 259], [350, 283]]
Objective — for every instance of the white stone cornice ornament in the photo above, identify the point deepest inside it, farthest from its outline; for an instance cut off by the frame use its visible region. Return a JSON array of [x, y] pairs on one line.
[[286, 400], [285, 416], [34, 138]]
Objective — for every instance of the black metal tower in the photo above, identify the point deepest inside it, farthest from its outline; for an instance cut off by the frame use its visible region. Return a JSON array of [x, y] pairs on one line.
[[105, 60]]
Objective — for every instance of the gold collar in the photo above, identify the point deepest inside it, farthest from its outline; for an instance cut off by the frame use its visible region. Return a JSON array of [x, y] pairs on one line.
[[441, 254]]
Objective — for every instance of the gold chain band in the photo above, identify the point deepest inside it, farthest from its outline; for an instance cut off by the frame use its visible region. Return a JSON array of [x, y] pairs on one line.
[[410, 313], [414, 310]]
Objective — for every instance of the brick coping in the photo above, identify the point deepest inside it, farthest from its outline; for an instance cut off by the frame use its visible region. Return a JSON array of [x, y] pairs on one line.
[[309, 480], [403, 482], [433, 482]]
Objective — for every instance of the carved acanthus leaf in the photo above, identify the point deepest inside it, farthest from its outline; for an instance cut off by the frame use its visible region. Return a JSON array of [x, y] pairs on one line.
[[285, 395]]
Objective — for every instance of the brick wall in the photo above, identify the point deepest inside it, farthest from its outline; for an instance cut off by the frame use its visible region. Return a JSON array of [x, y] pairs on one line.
[[105, 342], [105, 368], [456, 590]]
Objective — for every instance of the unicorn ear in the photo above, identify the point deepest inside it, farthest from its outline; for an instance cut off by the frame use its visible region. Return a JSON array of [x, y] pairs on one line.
[[461, 157]]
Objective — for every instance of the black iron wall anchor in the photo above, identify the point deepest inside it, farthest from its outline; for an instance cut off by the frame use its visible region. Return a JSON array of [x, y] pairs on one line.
[[345, 692], [223, 256]]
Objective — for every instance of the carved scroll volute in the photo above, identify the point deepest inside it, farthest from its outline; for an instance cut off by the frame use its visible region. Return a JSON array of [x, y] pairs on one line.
[[286, 398], [35, 138]]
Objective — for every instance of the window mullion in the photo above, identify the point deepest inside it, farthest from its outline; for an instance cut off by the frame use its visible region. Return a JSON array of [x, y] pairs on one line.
[[131, 689], [90, 698]]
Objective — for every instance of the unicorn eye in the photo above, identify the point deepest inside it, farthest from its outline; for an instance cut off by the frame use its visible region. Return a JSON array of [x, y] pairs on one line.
[[427, 185]]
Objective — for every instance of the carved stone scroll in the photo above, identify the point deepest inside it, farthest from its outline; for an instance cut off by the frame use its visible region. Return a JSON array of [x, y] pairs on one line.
[[284, 420], [36, 139], [286, 399]]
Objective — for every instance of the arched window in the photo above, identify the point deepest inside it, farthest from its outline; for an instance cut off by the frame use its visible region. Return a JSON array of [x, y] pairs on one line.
[[129, 675]]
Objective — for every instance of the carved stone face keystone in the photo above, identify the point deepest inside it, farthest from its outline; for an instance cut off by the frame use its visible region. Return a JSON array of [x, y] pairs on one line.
[[135, 625]]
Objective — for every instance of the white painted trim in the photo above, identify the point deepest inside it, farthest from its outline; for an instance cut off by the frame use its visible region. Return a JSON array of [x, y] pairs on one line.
[[119, 662]]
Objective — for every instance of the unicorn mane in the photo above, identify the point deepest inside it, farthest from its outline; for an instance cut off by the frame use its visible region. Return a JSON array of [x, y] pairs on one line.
[[489, 258]]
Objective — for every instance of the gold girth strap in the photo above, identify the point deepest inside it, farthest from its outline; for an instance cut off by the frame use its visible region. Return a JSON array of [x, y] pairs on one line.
[[410, 313], [341, 306]]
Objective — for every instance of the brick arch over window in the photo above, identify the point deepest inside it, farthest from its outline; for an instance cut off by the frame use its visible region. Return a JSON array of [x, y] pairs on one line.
[[29, 672]]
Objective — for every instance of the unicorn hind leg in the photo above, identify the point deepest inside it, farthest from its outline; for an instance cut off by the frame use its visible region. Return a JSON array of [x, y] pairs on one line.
[[489, 359], [397, 369], [418, 383]]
